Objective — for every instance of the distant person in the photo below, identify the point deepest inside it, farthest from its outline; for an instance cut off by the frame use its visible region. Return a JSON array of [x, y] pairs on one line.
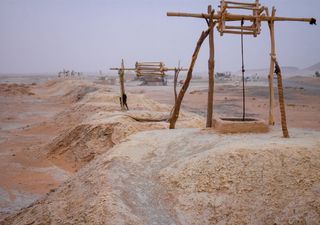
[[124, 98]]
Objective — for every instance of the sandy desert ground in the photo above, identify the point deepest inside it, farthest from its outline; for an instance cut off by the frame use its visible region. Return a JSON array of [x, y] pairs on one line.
[[68, 155]]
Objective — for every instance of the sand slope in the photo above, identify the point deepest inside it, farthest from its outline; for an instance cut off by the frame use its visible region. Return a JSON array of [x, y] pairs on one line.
[[191, 176]]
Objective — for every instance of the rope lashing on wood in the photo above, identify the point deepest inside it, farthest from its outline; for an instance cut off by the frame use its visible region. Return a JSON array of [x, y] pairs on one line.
[[206, 19], [313, 21]]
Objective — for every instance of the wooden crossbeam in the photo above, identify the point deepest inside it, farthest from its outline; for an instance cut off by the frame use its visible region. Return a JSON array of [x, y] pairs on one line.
[[239, 28], [240, 3], [242, 7], [116, 68], [236, 17]]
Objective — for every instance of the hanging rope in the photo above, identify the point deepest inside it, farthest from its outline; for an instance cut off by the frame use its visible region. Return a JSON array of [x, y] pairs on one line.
[[243, 90]]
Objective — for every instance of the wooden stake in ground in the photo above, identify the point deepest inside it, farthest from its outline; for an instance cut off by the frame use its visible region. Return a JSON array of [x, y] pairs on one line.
[[211, 23], [175, 82], [121, 79], [175, 114], [271, 69], [281, 101]]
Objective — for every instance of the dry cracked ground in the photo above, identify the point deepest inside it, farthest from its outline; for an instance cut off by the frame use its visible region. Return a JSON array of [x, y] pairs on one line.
[[82, 161]]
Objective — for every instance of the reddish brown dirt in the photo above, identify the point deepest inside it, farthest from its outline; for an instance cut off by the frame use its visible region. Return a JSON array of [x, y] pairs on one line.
[[26, 174]]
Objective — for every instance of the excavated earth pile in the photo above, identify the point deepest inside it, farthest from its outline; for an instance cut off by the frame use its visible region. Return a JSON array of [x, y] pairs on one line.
[[95, 123], [131, 169], [191, 176], [15, 89], [50, 130]]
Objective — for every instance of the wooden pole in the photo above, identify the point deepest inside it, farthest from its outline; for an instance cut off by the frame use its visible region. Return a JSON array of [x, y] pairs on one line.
[[236, 17], [121, 79], [243, 88], [211, 69], [281, 101], [271, 69], [175, 114], [175, 82]]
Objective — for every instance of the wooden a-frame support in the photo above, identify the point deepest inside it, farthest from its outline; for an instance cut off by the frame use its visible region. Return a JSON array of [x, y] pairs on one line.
[[122, 69], [219, 18], [176, 109]]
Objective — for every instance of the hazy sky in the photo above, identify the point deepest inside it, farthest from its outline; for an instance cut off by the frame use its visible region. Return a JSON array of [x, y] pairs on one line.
[[91, 35]]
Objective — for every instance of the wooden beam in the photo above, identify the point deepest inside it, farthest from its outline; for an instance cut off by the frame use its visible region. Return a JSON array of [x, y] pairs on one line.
[[176, 110], [281, 101], [121, 79], [235, 17], [238, 32], [210, 69], [150, 74], [133, 69], [242, 7], [250, 28], [175, 82], [240, 3], [271, 69]]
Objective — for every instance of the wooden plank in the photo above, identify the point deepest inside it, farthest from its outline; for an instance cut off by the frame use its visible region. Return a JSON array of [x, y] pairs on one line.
[[149, 69], [240, 3], [239, 28], [123, 69], [151, 74], [238, 32], [242, 7]]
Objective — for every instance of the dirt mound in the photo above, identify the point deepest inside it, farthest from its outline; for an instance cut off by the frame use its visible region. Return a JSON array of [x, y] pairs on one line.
[[70, 90], [148, 116], [81, 144], [270, 185], [15, 89], [191, 176], [94, 111], [78, 93]]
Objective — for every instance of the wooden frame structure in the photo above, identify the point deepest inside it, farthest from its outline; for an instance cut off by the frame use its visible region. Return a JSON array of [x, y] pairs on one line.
[[225, 19], [151, 71], [146, 69]]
